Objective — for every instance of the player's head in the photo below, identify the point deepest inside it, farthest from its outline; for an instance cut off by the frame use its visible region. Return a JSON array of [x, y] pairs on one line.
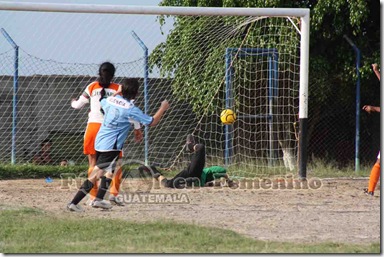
[[106, 73], [130, 88], [46, 141], [64, 162]]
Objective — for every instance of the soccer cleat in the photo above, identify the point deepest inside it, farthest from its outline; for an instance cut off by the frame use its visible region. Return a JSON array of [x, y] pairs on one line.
[[368, 193], [115, 200], [190, 143], [74, 207], [101, 204]]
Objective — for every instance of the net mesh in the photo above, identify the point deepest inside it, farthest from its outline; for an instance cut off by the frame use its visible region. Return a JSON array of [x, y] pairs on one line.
[[200, 64]]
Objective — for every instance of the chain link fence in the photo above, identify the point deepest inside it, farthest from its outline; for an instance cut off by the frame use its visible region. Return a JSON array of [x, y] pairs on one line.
[[332, 121]]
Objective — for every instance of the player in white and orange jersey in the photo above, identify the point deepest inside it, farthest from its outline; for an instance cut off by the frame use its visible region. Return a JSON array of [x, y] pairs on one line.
[[376, 169], [91, 95]]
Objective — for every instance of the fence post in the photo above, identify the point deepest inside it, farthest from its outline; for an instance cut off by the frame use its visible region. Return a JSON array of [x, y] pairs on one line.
[[15, 89], [146, 132], [357, 134]]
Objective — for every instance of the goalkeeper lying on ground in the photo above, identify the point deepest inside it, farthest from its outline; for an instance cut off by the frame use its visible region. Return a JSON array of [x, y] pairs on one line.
[[194, 173]]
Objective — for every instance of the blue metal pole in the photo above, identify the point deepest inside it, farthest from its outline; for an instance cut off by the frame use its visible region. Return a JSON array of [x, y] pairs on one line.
[[228, 105], [273, 57], [357, 153], [357, 133], [275, 90], [270, 111], [146, 97], [275, 74], [15, 89]]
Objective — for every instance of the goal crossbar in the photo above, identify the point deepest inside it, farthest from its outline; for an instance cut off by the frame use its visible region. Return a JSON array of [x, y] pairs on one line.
[[152, 10]]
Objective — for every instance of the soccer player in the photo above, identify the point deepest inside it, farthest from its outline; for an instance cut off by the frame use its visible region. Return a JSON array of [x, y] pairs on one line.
[[119, 111], [91, 95], [375, 172], [195, 171]]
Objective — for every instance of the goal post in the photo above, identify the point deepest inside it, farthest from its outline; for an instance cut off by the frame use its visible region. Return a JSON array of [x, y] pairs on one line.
[[198, 66], [303, 97]]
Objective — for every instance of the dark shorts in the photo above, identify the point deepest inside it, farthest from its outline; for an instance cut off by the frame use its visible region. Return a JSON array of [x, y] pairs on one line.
[[107, 160]]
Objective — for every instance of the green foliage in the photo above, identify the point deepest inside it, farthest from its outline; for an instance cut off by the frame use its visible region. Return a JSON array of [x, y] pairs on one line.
[[193, 54], [317, 168], [328, 169], [331, 57], [31, 231], [27, 171]]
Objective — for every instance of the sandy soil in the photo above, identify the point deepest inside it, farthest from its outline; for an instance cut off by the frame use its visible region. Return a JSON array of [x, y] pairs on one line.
[[338, 211]]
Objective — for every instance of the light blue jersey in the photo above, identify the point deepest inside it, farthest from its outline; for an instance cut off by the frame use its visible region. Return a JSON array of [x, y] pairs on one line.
[[118, 118]]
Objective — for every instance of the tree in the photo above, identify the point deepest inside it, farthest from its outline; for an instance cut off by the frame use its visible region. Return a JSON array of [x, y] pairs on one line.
[[332, 70]]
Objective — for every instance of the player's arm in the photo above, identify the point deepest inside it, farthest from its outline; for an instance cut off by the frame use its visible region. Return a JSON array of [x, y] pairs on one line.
[[157, 117], [376, 70], [145, 119], [137, 131], [79, 103], [370, 108], [138, 135]]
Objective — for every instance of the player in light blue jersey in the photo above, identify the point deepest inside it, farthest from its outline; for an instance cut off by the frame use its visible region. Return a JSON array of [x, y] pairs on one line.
[[120, 112], [119, 115]]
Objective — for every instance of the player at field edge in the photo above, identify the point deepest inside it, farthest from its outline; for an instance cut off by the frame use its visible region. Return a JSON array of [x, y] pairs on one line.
[[195, 171], [92, 95], [119, 111], [375, 171]]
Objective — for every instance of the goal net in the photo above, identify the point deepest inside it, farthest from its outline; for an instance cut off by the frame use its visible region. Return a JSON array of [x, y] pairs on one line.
[[202, 60]]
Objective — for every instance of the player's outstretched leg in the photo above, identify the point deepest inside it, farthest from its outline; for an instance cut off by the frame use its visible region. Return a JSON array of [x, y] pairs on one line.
[[83, 191], [194, 169], [190, 143], [99, 202]]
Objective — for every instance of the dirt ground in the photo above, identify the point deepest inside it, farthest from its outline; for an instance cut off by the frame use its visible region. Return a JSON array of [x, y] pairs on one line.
[[336, 212]]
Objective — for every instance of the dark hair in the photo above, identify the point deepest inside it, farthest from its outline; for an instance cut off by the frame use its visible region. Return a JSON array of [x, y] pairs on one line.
[[130, 88], [106, 73], [47, 140]]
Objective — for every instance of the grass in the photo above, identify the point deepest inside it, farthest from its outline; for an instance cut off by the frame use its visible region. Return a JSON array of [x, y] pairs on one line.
[[28, 171], [315, 168], [322, 169], [32, 171], [30, 230]]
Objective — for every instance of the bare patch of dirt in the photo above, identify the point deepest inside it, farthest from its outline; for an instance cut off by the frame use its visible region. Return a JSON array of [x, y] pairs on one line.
[[337, 212]]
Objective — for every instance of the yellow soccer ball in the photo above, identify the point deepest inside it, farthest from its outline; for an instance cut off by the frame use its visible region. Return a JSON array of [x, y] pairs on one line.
[[228, 117]]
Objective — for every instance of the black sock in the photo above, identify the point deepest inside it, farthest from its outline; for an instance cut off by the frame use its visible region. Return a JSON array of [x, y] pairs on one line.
[[104, 185], [83, 191]]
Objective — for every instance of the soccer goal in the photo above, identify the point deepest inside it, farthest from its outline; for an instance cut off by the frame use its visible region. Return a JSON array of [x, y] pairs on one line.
[[203, 60]]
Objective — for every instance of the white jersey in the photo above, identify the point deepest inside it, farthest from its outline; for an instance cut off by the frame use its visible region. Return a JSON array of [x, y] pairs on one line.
[[91, 95]]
